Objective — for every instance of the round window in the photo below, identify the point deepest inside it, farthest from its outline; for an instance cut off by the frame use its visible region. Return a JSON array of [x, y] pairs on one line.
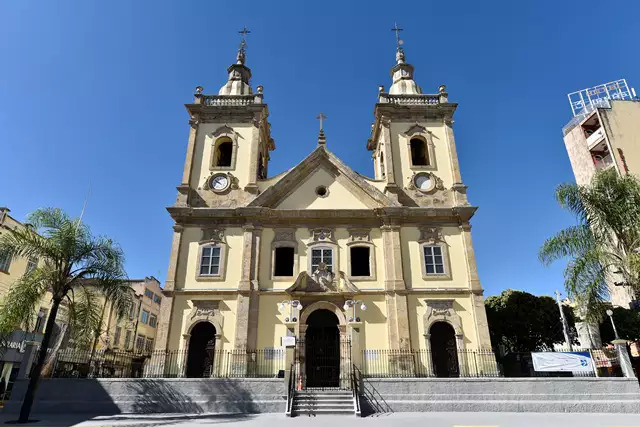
[[424, 182], [322, 191]]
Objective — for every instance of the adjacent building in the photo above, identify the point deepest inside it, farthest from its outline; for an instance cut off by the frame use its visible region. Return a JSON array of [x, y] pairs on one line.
[[605, 134], [320, 254]]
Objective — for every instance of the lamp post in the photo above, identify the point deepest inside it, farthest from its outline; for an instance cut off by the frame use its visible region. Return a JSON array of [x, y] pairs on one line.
[[353, 304], [615, 331], [293, 304]]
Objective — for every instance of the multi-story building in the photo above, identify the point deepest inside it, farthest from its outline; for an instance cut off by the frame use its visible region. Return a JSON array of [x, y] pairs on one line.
[[301, 255], [605, 134]]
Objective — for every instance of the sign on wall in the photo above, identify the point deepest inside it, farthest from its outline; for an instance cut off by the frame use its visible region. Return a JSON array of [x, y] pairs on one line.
[[562, 362], [289, 341], [586, 100]]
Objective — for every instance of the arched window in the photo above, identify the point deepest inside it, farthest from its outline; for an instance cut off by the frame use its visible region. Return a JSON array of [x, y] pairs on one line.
[[419, 152], [223, 153]]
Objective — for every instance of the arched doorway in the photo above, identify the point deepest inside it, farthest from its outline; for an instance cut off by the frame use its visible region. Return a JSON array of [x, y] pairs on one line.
[[444, 352], [322, 349], [202, 344]]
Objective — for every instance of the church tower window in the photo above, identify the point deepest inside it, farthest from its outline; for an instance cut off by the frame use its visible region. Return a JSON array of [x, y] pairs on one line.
[[223, 153], [210, 261], [433, 259], [419, 152]]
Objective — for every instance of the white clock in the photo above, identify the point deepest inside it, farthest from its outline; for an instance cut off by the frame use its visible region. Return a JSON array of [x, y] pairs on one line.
[[423, 182], [219, 183]]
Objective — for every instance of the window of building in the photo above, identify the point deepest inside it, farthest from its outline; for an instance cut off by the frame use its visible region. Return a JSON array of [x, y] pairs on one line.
[[140, 342], [321, 255], [223, 153], [5, 261], [210, 261], [383, 172], [144, 317], [360, 261], [153, 320], [41, 320], [419, 152], [433, 259], [284, 260], [149, 345], [133, 310], [127, 340], [31, 265], [148, 293], [157, 299], [116, 335]]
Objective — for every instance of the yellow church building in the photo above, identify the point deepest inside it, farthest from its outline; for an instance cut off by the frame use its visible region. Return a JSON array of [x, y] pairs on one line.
[[321, 257]]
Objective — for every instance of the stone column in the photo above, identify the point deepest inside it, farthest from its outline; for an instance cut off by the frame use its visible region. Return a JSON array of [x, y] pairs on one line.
[[165, 316], [395, 290], [388, 154], [248, 297], [185, 185], [623, 357], [460, 190], [429, 356], [252, 186]]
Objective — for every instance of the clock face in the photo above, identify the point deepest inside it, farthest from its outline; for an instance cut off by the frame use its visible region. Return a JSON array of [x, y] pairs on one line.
[[423, 182], [219, 183]]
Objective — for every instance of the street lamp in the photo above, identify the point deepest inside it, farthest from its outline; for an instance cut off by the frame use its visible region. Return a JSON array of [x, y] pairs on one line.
[[352, 303], [615, 331], [293, 304]]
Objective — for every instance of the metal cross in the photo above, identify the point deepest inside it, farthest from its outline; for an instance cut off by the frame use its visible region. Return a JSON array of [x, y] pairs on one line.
[[397, 30], [321, 117], [244, 31]]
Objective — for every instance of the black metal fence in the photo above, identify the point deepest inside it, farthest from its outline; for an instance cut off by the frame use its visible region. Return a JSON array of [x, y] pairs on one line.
[[421, 364], [236, 363]]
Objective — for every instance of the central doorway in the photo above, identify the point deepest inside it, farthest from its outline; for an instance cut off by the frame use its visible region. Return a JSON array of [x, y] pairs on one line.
[[322, 350], [202, 346]]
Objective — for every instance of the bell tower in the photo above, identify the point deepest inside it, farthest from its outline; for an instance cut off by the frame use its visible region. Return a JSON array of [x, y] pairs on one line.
[[412, 141], [229, 141]]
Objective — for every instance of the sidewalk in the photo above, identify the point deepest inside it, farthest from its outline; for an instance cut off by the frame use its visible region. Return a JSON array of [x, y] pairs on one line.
[[430, 419]]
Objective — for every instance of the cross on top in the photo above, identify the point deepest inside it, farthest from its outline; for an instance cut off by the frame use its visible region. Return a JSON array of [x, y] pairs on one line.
[[321, 117], [397, 31], [244, 31]]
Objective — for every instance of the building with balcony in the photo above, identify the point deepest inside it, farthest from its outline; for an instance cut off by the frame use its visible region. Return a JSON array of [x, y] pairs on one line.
[[606, 136]]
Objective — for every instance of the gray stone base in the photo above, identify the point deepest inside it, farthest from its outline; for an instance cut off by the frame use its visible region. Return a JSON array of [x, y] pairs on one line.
[[143, 396], [501, 395]]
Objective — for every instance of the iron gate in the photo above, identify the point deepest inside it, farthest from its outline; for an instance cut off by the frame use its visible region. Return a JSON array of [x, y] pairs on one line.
[[323, 362]]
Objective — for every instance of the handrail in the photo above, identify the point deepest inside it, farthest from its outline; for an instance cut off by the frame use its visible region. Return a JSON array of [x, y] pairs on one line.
[[355, 387], [290, 391]]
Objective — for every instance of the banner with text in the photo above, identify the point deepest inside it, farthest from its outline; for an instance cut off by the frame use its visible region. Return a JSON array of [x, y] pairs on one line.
[[562, 362]]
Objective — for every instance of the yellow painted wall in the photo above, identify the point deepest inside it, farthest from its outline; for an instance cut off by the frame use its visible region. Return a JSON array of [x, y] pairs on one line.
[[271, 325]]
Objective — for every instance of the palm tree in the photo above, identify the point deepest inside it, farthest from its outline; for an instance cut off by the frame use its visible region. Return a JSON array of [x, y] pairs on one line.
[[603, 246], [76, 270]]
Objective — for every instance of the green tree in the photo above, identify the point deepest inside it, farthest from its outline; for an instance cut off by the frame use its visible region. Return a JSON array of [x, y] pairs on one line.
[[524, 322], [603, 246], [75, 269], [627, 323]]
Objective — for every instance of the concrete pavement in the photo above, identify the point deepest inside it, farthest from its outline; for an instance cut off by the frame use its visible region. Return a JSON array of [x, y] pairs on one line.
[[430, 419]]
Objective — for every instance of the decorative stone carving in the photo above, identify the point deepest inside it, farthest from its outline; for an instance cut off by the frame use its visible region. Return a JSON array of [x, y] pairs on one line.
[[213, 234], [323, 276], [431, 235], [416, 129], [322, 235], [224, 130], [359, 235], [205, 308], [441, 310], [285, 235], [438, 184]]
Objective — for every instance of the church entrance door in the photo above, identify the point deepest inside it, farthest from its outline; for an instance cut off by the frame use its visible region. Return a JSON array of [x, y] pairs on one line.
[[322, 350], [202, 345], [444, 352]]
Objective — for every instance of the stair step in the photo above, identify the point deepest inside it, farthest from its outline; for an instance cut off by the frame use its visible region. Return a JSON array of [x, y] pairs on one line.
[[323, 405], [324, 401], [325, 412]]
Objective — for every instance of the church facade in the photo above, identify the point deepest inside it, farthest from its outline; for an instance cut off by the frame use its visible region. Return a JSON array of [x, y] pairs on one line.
[[320, 252]]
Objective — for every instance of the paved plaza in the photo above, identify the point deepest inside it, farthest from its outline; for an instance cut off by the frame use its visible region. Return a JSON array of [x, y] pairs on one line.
[[432, 419]]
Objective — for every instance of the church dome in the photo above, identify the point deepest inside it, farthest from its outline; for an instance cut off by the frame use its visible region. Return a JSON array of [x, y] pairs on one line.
[[402, 74]]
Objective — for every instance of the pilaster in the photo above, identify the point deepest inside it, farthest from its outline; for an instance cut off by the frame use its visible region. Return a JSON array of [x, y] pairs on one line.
[[166, 306], [248, 298], [459, 189], [252, 185], [385, 125], [183, 189], [398, 326]]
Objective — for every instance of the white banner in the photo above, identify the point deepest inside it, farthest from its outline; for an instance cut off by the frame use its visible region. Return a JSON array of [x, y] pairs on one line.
[[562, 362]]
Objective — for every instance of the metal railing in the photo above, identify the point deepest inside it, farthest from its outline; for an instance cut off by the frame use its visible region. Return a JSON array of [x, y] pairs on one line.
[[236, 363], [426, 363]]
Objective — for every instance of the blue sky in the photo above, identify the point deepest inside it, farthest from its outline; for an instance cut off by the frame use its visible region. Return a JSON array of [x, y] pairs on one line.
[[93, 92]]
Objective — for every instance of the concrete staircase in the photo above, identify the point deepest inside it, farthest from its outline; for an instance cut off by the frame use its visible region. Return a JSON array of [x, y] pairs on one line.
[[321, 402]]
